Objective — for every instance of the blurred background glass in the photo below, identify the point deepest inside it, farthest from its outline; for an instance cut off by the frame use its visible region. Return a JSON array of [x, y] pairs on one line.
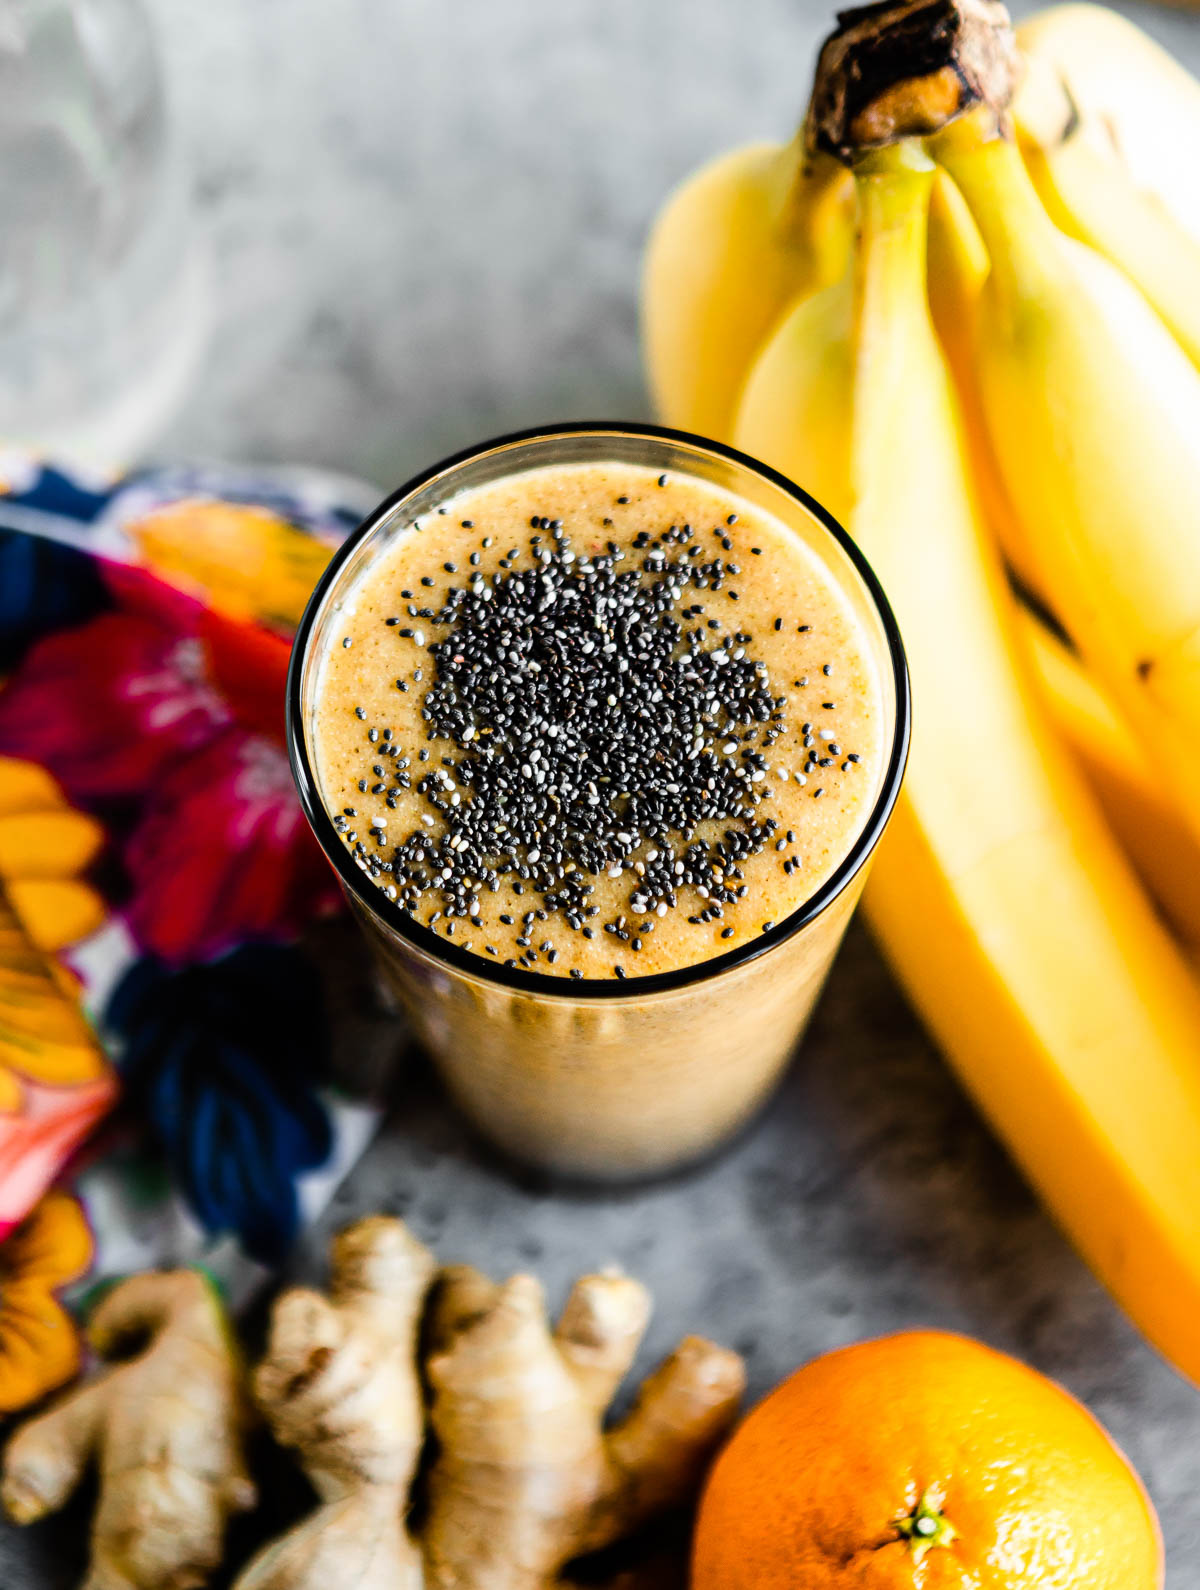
[[103, 293]]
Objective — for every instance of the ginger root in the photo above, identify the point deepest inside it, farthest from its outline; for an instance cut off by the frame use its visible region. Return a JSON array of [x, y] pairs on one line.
[[340, 1385], [165, 1429], [525, 1477]]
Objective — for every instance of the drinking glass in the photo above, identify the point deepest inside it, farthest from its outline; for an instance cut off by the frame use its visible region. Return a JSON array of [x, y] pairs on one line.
[[103, 288], [600, 1079]]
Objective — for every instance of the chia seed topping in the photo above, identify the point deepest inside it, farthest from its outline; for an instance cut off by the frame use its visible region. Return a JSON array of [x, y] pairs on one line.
[[594, 740], [569, 689]]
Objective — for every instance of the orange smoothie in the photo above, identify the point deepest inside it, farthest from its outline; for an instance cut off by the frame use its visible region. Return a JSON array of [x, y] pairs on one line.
[[595, 721], [599, 728]]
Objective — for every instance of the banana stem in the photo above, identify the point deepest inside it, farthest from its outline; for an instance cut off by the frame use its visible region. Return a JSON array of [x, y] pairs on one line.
[[893, 189], [987, 168], [900, 69], [818, 215]]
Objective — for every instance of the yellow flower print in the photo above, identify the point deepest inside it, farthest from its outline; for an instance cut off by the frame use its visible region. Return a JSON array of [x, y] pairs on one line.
[[56, 1081], [44, 846], [246, 562], [39, 1345], [45, 1038]]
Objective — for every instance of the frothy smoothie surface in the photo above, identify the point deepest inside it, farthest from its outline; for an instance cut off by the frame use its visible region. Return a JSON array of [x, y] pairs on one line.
[[596, 722]]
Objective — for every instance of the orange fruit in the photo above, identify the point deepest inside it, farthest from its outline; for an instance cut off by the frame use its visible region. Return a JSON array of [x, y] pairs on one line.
[[923, 1461]]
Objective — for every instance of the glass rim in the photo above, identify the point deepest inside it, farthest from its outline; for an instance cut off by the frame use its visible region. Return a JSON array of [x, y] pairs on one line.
[[544, 984]]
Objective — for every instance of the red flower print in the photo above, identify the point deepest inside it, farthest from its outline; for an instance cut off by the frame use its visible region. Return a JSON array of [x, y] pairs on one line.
[[110, 705], [222, 853]]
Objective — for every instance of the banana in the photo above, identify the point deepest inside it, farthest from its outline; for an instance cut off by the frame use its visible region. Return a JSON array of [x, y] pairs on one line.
[[957, 268], [816, 336], [731, 248], [1161, 847], [1134, 102], [1091, 195], [1093, 414], [1163, 851], [999, 894]]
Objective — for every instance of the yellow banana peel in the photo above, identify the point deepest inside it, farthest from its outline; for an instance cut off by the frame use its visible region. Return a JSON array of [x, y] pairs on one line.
[[1161, 847], [1006, 892], [1091, 195], [1133, 102], [998, 893], [1092, 411], [732, 247]]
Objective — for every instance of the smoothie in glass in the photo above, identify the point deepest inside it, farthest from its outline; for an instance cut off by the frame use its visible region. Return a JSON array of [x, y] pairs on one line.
[[599, 728]]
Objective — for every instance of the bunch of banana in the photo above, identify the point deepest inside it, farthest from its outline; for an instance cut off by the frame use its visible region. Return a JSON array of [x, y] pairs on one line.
[[981, 352]]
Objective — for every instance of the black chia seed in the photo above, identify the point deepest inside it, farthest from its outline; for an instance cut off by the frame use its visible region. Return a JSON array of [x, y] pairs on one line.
[[592, 729]]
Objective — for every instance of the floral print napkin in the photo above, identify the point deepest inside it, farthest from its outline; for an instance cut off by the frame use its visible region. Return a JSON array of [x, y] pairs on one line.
[[153, 854]]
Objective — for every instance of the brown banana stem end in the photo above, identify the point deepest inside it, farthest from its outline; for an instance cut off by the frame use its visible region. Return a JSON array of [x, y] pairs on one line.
[[905, 68]]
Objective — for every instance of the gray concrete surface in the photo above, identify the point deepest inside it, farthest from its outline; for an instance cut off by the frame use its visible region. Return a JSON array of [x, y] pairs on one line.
[[426, 218]]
